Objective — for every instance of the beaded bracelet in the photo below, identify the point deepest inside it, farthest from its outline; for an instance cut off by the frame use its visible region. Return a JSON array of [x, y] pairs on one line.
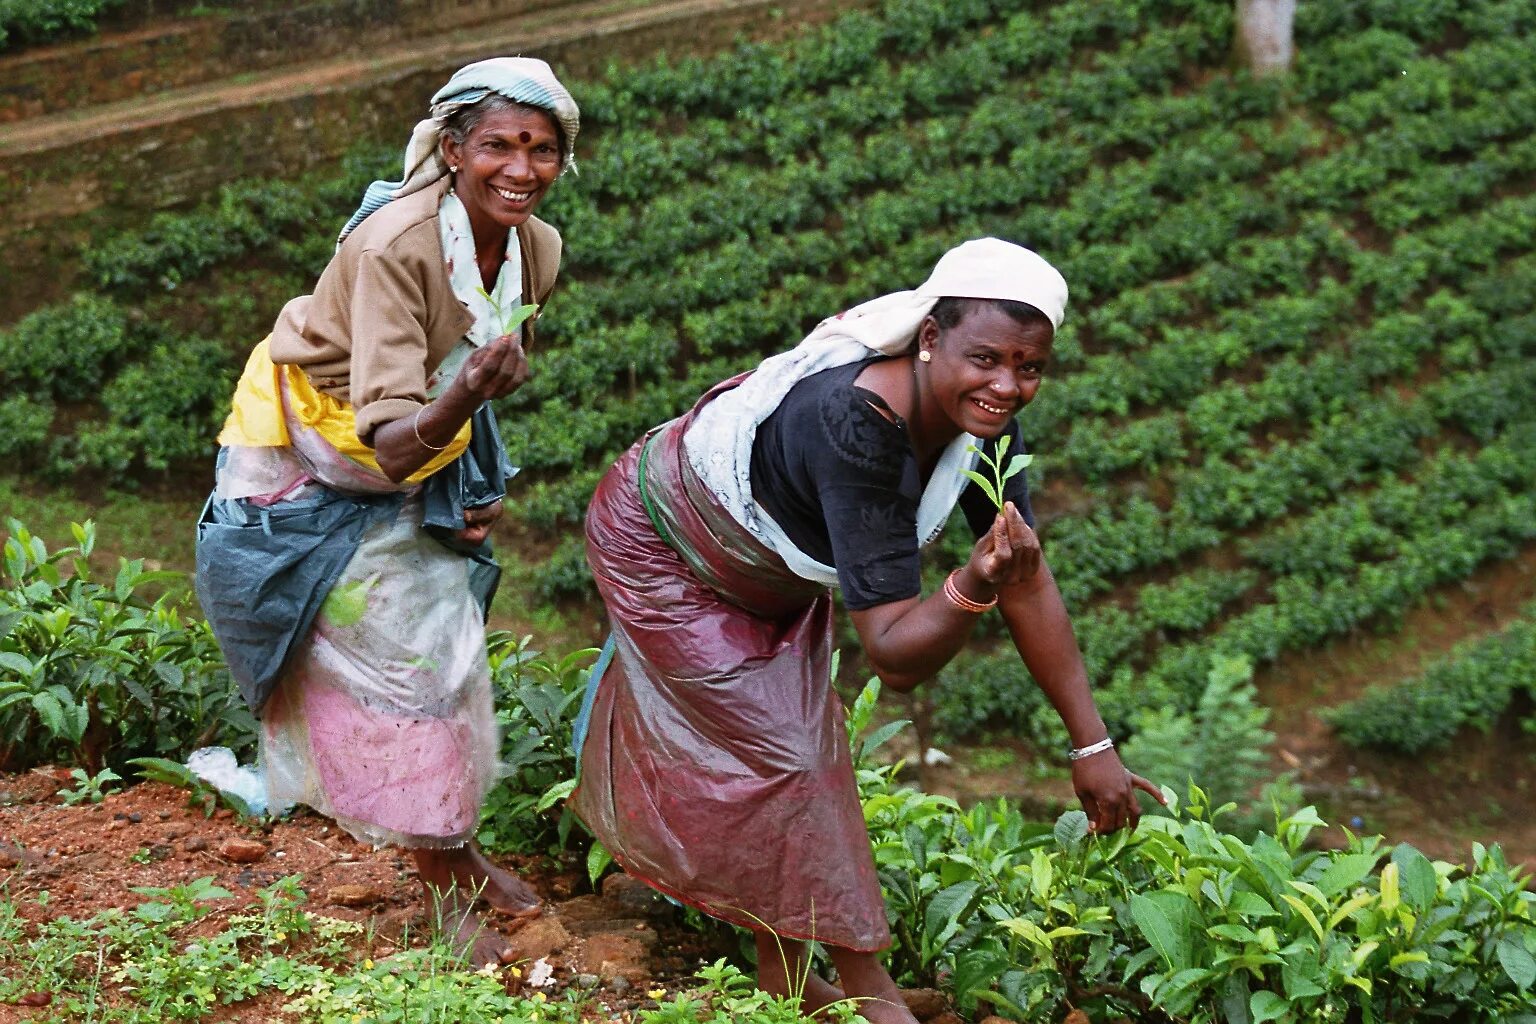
[[962, 602], [416, 427]]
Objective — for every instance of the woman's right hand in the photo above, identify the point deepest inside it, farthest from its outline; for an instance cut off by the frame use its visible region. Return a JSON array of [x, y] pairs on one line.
[[1009, 553], [496, 370]]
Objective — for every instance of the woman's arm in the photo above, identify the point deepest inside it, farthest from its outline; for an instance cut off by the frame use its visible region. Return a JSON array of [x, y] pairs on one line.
[[908, 641], [1037, 620], [405, 445]]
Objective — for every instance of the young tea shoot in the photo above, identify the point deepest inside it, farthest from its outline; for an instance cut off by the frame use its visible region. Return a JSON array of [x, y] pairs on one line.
[[1000, 476], [510, 318]]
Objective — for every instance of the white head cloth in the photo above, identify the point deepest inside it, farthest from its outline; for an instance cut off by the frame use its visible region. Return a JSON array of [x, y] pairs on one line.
[[520, 79], [719, 442]]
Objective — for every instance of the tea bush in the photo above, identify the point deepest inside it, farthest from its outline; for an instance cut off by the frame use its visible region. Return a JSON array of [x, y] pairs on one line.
[[36, 21], [1469, 689], [95, 673]]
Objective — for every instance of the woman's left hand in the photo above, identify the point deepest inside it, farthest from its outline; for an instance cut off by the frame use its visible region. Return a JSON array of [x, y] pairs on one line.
[[1108, 792], [478, 523]]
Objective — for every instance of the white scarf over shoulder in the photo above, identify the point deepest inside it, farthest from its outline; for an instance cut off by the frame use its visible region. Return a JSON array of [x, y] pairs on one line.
[[719, 442]]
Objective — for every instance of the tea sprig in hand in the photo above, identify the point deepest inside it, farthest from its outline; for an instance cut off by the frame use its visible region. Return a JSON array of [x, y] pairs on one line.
[[1000, 476], [510, 319]]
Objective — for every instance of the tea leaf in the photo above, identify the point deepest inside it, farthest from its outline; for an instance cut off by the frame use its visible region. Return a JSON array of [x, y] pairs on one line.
[[1516, 961], [1267, 1006], [1168, 920], [984, 484], [1016, 466]]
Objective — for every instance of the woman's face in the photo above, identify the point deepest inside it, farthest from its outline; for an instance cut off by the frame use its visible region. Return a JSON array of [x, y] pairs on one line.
[[506, 164], [985, 368]]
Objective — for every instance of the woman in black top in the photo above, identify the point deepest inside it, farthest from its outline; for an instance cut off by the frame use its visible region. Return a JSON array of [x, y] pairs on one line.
[[713, 761]]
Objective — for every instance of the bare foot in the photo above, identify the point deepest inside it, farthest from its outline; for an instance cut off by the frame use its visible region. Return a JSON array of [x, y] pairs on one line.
[[503, 890], [456, 923], [782, 969], [864, 980]]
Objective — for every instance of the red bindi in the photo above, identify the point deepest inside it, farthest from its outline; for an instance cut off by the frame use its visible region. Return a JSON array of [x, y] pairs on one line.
[[525, 137]]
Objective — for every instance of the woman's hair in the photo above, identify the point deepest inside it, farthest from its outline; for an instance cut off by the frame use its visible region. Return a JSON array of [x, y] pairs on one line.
[[462, 121], [950, 310]]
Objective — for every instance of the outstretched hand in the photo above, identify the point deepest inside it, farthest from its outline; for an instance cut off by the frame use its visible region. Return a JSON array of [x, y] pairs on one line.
[[1009, 552], [495, 370], [1108, 792]]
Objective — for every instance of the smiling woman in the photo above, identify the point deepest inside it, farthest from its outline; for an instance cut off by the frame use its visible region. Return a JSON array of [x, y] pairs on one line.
[[713, 759], [343, 558]]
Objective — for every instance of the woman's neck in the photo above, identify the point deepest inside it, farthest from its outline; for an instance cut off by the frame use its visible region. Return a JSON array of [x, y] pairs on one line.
[[900, 383]]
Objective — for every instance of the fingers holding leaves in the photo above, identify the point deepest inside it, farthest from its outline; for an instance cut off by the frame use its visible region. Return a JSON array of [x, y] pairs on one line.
[[498, 369]]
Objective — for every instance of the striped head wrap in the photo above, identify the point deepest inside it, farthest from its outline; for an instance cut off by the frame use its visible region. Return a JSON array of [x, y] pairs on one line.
[[520, 79]]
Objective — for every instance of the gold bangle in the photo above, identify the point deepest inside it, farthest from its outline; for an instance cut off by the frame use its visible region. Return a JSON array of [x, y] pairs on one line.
[[416, 429], [962, 602]]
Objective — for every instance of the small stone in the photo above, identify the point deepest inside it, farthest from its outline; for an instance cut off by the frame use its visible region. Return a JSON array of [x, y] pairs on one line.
[[119, 816], [115, 824], [353, 894], [135, 817], [163, 815], [539, 938], [634, 896], [242, 851], [223, 814], [925, 1003], [587, 980], [611, 953], [1077, 1017], [618, 984], [195, 844], [176, 831], [36, 999], [9, 856]]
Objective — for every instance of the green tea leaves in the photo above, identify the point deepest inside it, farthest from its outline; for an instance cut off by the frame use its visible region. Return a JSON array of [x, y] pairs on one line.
[[992, 486]]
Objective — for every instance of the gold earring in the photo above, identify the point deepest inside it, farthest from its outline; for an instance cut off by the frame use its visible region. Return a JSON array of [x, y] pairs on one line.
[[925, 355]]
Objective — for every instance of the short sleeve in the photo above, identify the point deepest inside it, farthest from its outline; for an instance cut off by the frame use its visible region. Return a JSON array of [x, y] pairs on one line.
[[866, 480], [389, 343], [978, 508]]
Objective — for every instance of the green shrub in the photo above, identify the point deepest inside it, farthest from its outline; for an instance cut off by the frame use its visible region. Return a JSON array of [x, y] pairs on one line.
[[36, 21], [95, 673], [1184, 922], [1470, 688]]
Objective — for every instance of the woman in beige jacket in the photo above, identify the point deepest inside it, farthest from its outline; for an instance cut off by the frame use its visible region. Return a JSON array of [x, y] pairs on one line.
[[342, 559]]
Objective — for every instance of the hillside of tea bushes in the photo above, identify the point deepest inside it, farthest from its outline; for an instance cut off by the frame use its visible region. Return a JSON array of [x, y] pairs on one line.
[[1293, 396]]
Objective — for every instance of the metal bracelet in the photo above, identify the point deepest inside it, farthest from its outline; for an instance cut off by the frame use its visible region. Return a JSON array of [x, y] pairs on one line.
[[1093, 748], [962, 602], [416, 428]]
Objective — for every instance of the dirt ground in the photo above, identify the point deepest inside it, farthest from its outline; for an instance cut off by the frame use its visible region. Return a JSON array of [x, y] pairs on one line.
[[621, 943], [91, 857]]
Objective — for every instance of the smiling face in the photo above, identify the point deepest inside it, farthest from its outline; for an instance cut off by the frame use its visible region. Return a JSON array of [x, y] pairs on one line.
[[982, 370], [506, 164]]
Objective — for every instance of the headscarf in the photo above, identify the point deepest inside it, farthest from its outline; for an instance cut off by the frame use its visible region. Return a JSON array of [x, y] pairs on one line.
[[719, 442], [520, 79]]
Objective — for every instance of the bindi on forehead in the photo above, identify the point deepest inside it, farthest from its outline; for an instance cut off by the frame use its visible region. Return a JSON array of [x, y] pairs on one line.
[[525, 137]]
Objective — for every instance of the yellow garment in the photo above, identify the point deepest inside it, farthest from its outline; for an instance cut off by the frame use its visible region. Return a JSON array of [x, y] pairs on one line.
[[256, 415]]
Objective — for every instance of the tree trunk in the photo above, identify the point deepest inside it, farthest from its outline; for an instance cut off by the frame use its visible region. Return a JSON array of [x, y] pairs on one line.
[[1264, 35]]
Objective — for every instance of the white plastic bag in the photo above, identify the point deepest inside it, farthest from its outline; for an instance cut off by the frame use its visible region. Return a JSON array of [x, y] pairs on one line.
[[217, 767]]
